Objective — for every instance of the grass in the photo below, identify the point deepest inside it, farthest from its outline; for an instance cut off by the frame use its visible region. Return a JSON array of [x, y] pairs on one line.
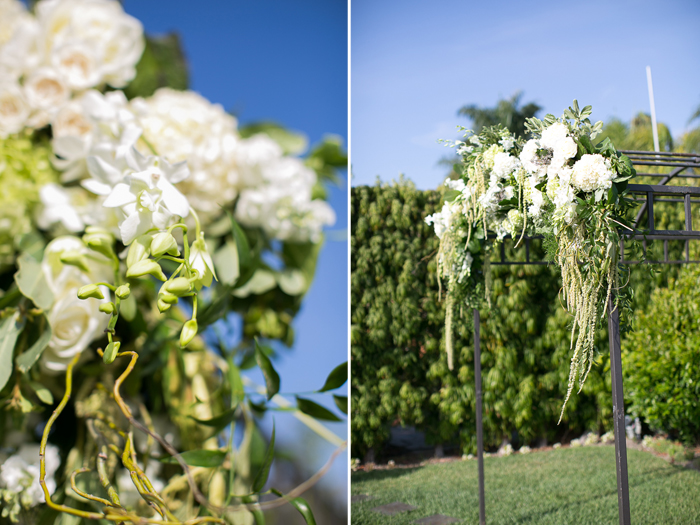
[[574, 486]]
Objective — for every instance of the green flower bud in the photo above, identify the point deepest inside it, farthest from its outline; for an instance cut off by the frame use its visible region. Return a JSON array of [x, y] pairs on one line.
[[123, 291], [164, 243], [167, 297], [77, 259], [90, 290], [107, 308], [146, 267], [179, 286], [100, 241], [189, 330], [139, 249], [163, 306], [110, 353]]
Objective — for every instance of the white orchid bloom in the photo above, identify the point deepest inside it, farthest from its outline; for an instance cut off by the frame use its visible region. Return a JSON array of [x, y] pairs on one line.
[[200, 260], [147, 196]]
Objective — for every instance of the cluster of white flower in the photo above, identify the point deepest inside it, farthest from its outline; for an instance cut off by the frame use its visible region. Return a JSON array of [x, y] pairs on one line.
[[68, 46], [20, 475], [442, 220], [108, 137]]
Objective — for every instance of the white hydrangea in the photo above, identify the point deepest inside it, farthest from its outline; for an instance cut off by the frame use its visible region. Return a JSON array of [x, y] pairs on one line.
[[504, 165], [282, 203], [183, 125], [20, 473], [553, 134], [530, 160], [592, 172], [534, 196]]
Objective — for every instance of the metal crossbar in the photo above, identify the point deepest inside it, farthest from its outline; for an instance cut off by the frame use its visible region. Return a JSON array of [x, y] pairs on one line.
[[683, 165]]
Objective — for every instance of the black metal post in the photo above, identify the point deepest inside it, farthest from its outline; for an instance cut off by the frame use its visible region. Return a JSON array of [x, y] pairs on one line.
[[623, 493], [479, 423]]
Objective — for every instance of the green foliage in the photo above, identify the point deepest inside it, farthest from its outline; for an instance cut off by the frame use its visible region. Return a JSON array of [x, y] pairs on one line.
[[399, 367], [661, 359], [162, 64]]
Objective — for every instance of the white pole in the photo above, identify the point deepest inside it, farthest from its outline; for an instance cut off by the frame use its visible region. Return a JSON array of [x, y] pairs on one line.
[[653, 111]]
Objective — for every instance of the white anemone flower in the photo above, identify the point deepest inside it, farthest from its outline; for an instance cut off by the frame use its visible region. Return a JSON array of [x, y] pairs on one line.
[[147, 196]]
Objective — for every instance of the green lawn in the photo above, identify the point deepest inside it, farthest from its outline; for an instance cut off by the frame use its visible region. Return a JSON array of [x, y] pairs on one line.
[[574, 486]]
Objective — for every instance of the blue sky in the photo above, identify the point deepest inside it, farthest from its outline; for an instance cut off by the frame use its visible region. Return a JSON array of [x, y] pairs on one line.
[[287, 62], [415, 63]]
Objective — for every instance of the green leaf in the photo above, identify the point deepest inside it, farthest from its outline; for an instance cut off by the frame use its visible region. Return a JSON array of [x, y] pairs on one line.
[[226, 262], [587, 144], [272, 378], [199, 458], [337, 377], [42, 327], [236, 384], [32, 283], [301, 505], [451, 195], [10, 327], [264, 472], [216, 309], [218, 422], [315, 410], [43, 393], [342, 403], [255, 511], [241, 240], [162, 64], [32, 243], [291, 142]]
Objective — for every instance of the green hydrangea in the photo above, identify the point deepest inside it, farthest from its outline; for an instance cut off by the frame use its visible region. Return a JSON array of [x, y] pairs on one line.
[[25, 167]]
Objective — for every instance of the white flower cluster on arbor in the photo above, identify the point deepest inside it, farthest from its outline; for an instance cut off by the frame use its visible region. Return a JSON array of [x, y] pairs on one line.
[[19, 475], [68, 46]]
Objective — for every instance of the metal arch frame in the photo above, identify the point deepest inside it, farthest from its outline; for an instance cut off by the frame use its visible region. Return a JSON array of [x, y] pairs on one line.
[[685, 194]]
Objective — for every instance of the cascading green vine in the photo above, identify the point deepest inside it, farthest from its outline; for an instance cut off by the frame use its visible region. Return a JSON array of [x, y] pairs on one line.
[[557, 184]]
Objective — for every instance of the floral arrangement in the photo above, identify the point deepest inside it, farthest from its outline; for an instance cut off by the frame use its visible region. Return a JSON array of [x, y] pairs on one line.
[[557, 184], [132, 229]]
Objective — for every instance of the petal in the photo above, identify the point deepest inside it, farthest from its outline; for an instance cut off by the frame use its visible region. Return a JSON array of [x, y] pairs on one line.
[[177, 172], [119, 196], [134, 225], [175, 201], [96, 187], [103, 171]]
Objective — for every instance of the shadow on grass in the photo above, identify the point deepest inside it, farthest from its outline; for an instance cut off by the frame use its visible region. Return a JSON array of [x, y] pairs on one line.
[[378, 475], [536, 517]]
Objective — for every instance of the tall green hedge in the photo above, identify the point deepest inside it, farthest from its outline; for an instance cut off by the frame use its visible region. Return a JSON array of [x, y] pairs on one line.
[[399, 367]]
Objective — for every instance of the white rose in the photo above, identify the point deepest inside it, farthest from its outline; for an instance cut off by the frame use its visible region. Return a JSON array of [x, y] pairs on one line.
[[45, 89], [19, 34], [113, 38], [75, 323], [565, 148], [14, 110], [77, 64], [504, 165]]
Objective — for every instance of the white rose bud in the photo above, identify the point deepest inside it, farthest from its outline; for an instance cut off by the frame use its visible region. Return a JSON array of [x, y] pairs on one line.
[[45, 90]]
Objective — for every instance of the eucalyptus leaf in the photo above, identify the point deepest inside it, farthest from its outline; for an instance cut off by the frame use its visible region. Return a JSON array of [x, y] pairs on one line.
[[32, 283], [342, 403], [337, 378], [272, 378], [27, 359], [315, 410], [301, 505], [43, 393], [264, 472], [199, 458], [219, 422], [10, 328]]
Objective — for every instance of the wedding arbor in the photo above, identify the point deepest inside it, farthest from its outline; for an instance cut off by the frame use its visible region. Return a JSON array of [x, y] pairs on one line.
[[681, 165]]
